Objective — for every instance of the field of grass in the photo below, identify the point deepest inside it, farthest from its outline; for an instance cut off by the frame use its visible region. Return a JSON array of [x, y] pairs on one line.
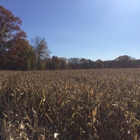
[[78, 105]]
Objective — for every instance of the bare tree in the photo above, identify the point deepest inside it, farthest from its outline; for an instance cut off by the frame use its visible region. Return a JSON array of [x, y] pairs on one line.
[[41, 50]]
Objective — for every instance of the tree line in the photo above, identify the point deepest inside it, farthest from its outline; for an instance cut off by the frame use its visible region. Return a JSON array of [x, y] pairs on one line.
[[16, 53]]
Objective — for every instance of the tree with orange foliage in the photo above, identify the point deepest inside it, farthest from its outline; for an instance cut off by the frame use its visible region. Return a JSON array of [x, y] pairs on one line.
[[14, 48]]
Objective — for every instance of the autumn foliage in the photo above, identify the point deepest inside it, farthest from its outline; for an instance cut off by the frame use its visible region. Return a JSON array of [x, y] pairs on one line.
[[16, 53]]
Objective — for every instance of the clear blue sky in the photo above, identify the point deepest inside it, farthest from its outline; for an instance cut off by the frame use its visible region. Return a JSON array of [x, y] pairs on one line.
[[92, 29]]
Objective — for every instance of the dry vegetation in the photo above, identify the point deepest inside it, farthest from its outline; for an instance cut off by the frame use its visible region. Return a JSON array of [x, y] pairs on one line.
[[78, 104]]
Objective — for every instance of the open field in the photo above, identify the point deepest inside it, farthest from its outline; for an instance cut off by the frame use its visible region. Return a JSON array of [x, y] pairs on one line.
[[78, 104]]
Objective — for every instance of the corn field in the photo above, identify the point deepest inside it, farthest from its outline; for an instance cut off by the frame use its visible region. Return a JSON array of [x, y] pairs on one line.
[[70, 105]]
